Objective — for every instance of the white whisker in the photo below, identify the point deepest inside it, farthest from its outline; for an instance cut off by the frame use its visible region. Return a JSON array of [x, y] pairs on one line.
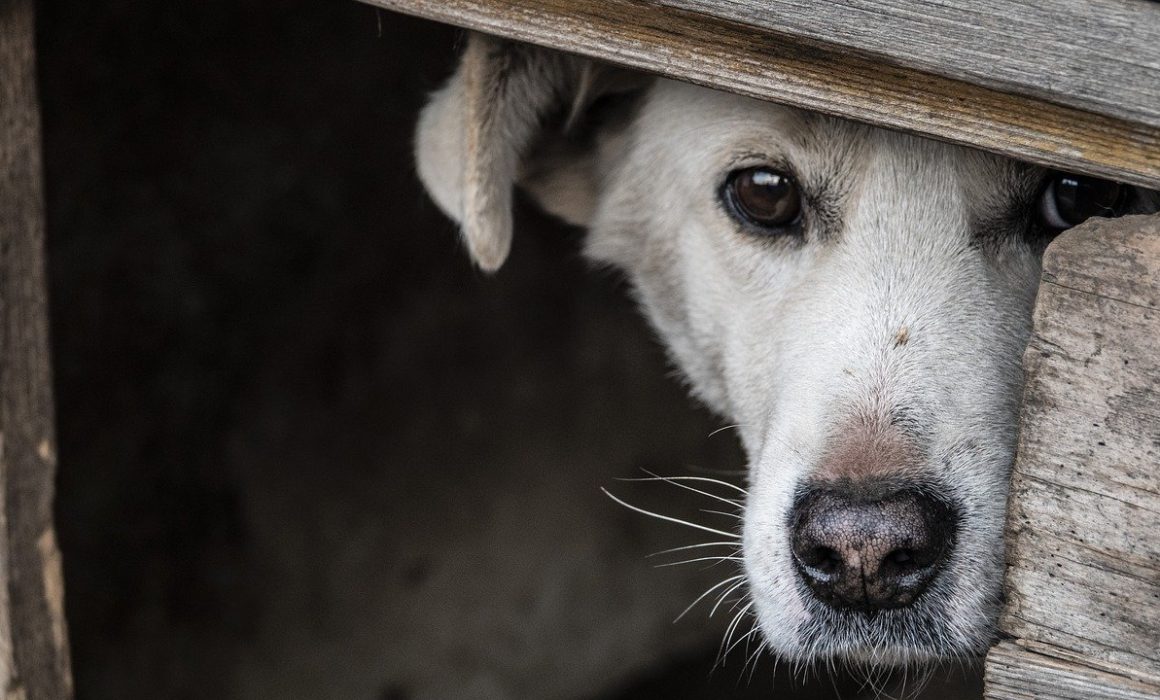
[[675, 481], [724, 428], [691, 546], [755, 655], [725, 595], [670, 519], [735, 516], [710, 590], [722, 472], [694, 561], [730, 630], [743, 638]]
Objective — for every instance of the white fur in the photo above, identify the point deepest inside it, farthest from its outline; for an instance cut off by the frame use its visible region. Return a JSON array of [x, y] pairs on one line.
[[786, 338], [786, 341]]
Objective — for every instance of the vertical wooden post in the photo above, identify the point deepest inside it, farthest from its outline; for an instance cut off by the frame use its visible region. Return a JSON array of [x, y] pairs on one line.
[[1082, 618], [34, 658]]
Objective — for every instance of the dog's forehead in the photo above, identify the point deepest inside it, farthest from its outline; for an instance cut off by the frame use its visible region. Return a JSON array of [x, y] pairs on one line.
[[709, 127]]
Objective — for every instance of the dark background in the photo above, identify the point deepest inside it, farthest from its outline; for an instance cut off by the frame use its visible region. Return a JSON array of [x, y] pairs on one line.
[[290, 412]]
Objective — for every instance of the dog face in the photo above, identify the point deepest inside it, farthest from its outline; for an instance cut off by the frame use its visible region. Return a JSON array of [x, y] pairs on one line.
[[856, 301]]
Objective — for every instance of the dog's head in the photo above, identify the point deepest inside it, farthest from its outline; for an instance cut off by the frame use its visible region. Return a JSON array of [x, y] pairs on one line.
[[855, 300]]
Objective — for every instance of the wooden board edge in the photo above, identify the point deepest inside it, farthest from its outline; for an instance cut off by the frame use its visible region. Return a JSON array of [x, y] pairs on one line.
[[34, 653], [739, 59], [826, 22]]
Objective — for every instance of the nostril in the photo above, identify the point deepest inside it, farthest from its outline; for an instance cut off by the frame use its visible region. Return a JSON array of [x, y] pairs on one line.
[[855, 549], [900, 562], [900, 557], [826, 560]]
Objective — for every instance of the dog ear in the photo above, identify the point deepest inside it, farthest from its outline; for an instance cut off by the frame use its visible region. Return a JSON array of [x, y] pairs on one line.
[[512, 112]]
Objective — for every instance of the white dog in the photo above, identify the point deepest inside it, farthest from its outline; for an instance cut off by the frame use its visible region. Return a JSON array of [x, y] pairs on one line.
[[855, 300]]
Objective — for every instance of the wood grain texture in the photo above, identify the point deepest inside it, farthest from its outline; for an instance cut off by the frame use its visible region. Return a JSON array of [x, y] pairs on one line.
[[34, 659], [1083, 575], [758, 62], [1098, 55], [1016, 672]]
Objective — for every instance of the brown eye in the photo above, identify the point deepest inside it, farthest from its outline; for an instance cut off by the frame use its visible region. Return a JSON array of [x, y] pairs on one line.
[[1069, 200], [764, 197]]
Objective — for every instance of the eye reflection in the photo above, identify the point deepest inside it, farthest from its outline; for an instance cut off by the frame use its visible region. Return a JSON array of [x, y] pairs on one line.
[[1069, 200], [764, 197]]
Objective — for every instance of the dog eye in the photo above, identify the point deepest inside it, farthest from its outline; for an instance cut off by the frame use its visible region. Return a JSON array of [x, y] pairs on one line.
[[764, 197], [1069, 200]]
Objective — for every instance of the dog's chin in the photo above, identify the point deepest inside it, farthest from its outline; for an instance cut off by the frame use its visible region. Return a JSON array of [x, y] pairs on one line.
[[919, 635], [897, 655]]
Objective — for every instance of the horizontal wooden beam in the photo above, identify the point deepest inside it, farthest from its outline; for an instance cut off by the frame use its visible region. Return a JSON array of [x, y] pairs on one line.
[[759, 62], [1099, 55]]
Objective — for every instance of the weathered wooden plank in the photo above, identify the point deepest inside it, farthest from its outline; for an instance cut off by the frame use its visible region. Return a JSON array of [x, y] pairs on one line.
[[1083, 575], [762, 63], [1017, 672], [34, 658], [1098, 55]]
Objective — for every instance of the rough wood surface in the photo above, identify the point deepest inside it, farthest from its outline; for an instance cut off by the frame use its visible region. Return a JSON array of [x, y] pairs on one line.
[[34, 660], [1098, 55], [829, 77], [1016, 672], [1083, 577]]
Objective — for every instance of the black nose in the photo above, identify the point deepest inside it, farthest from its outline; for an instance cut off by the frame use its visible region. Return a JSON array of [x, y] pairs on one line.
[[870, 550]]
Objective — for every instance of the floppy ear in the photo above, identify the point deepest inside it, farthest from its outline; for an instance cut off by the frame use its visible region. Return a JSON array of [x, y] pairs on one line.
[[475, 137]]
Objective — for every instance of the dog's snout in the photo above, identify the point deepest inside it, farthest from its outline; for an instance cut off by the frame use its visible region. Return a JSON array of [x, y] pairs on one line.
[[870, 551]]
